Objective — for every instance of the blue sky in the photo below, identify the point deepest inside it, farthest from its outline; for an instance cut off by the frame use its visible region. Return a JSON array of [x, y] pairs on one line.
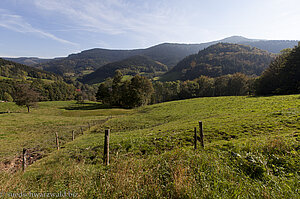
[[53, 28]]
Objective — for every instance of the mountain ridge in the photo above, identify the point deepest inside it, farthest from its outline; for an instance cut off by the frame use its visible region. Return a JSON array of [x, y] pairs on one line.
[[220, 59], [78, 64], [137, 64]]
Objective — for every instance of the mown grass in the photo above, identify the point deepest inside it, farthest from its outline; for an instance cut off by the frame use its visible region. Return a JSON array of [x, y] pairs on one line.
[[251, 150]]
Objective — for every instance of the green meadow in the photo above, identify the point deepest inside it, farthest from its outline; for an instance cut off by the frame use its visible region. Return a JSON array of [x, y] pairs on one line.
[[251, 148]]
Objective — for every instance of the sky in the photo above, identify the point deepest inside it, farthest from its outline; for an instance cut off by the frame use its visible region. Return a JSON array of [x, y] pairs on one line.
[[56, 28]]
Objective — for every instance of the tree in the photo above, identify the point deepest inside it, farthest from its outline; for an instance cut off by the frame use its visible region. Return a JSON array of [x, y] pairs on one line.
[[140, 91], [238, 84], [26, 96], [206, 86], [103, 94], [283, 74], [129, 93], [116, 88], [189, 89], [7, 97], [79, 97]]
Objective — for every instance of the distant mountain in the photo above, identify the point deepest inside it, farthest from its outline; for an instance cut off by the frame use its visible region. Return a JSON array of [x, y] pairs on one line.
[[220, 59], [90, 60], [11, 69], [29, 61], [131, 66], [272, 46], [169, 54]]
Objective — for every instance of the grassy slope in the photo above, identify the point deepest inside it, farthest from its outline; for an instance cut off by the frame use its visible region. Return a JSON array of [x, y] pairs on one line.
[[252, 151], [20, 129]]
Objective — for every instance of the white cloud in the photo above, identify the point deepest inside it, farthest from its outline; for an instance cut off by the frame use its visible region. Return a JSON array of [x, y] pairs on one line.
[[155, 20], [18, 24]]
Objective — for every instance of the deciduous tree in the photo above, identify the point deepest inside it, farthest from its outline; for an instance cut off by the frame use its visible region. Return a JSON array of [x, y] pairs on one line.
[[26, 96]]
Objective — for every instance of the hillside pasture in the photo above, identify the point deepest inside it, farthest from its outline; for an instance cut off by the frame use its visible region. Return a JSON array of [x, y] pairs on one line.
[[251, 149]]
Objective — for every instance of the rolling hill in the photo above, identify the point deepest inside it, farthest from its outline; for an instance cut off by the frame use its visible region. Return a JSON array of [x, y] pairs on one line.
[[9, 69], [90, 60], [251, 149], [131, 66], [170, 54], [220, 59], [29, 61]]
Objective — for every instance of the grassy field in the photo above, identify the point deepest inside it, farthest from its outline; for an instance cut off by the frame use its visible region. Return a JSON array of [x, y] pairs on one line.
[[19, 129], [251, 149]]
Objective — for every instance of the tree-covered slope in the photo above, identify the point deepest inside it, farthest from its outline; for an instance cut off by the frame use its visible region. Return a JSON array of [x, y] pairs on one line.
[[131, 66], [169, 54], [283, 74], [221, 59], [91, 60], [29, 61], [11, 69]]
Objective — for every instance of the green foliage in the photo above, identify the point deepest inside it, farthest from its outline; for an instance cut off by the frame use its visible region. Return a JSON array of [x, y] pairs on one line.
[[227, 85], [48, 85], [14, 70], [283, 74], [26, 96], [53, 91], [7, 87], [128, 94], [28, 61], [139, 91], [219, 60], [76, 64], [7, 97], [168, 54], [141, 65]]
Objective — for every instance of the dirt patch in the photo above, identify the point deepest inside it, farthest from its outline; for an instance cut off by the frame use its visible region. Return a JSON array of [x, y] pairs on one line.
[[15, 164]]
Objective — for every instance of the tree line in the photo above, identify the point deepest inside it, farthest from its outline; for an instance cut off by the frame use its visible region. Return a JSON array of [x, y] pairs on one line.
[[281, 77], [125, 93], [227, 85], [55, 91], [141, 91], [283, 74]]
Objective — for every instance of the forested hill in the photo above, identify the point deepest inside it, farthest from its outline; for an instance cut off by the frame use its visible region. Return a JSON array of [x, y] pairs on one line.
[[11, 69], [221, 59], [90, 60], [283, 74], [169, 54], [131, 66], [29, 61]]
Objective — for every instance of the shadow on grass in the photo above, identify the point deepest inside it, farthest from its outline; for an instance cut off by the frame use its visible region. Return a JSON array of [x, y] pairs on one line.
[[87, 106], [269, 95], [6, 112]]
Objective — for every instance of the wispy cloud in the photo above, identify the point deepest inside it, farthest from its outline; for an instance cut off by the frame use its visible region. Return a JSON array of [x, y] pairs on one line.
[[18, 24], [114, 17]]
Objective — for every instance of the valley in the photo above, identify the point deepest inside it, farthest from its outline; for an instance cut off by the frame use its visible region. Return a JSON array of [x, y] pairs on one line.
[[53, 115]]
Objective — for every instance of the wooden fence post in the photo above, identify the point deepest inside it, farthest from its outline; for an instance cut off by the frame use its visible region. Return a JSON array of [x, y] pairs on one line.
[[73, 135], [57, 141], [195, 138], [106, 147], [24, 159], [201, 133], [81, 130], [89, 126]]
